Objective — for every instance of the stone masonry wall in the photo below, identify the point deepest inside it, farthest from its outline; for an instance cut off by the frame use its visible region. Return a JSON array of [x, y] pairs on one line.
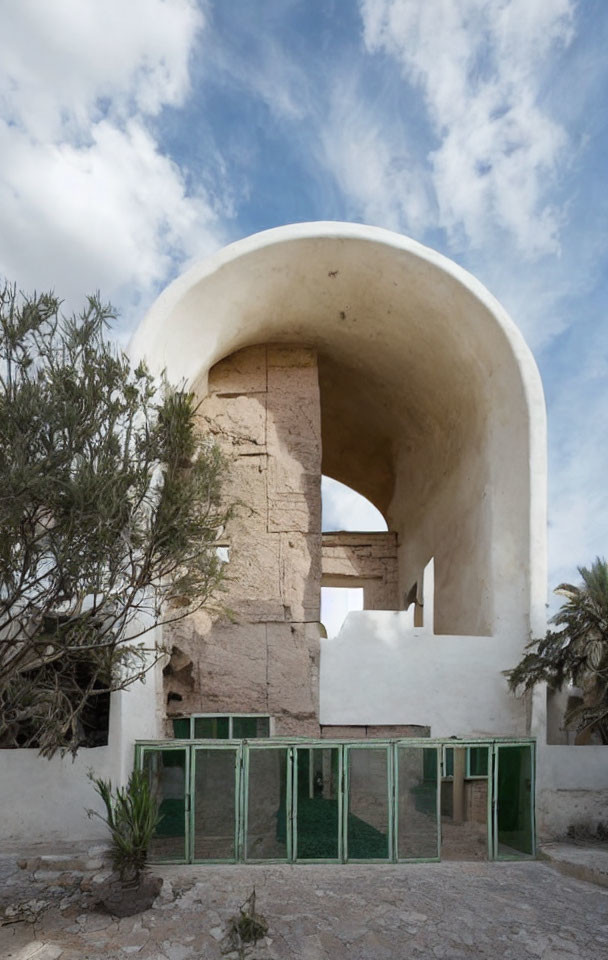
[[368, 560], [263, 408]]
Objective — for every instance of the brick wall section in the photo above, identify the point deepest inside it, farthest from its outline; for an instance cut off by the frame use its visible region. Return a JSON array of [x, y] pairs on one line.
[[263, 408], [367, 560], [476, 800]]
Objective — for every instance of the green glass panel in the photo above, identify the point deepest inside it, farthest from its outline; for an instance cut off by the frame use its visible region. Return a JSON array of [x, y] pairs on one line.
[[214, 804], [166, 771], [430, 763], [417, 829], [368, 813], [211, 728], [514, 801], [181, 728], [266, 805], [318, 804], [449, 762], [249, 728], [478, 762], [464, 811]]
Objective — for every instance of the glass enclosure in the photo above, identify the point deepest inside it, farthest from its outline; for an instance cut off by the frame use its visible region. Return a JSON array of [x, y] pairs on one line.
[[214, 803], [368, 799], [514, 791], [317, 802], [418, 800], [465, 809], [167, 769], [267, 837], [257, 799]]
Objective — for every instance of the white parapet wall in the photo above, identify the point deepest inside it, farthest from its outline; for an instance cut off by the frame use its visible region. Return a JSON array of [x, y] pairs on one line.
[[46, 801], [381, 670], [572, 789]]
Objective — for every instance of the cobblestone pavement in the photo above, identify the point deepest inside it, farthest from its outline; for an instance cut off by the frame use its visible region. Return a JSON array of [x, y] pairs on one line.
[[452, 910]]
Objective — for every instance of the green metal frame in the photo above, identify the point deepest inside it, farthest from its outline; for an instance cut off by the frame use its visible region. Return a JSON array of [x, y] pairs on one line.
[[318, 745], [172, 745], [264, 745], [230, 717], [238, 755], [242, 752], [498, 745], [408, 745], [390, 792]]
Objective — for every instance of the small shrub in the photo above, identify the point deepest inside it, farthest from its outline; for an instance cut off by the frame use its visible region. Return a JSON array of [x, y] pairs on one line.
[[132, 817], [245, 928]]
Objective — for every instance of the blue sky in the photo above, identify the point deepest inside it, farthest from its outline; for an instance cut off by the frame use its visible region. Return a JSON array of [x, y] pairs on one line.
[[139, 136]]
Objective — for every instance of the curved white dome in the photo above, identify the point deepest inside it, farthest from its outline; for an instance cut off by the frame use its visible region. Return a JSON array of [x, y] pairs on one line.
[[432, 404]]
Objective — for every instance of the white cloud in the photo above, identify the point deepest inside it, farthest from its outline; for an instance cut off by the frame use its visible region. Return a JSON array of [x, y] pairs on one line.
[[65, 63], [345, 509], [382, 181], [89, 200], [480, 65]]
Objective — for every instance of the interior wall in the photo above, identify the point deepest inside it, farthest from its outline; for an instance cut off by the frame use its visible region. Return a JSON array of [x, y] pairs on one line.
[[452, 524]]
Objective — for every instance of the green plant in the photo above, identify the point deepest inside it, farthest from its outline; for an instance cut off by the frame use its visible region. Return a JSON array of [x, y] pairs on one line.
[[110, 509], [577, 652], [245, 928], [132, 817]]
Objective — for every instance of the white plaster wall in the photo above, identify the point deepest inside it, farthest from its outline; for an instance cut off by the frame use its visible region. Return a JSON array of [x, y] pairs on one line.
[[136, 713], [381, 670], [572, 788], [46, 800]]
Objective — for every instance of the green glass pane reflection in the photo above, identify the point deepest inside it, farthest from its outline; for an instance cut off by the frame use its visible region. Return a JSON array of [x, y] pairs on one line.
[[318, 779], [181, 728], [211, 728]]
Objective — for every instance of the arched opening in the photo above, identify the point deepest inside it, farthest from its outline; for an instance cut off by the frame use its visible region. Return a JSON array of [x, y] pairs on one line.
[[349, 522], [354, 353], [345, 509], [417, 366]]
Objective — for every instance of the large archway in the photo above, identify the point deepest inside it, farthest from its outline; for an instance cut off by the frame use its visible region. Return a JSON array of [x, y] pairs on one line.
[[431, 403]]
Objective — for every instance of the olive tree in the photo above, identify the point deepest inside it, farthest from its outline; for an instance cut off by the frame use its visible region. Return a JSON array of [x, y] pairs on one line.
[[110, 509]]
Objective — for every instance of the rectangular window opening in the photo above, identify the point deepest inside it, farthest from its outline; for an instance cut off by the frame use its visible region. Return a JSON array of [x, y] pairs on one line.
[[231, 726]]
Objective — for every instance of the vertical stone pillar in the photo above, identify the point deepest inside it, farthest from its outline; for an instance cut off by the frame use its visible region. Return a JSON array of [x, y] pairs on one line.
[[263, 409]]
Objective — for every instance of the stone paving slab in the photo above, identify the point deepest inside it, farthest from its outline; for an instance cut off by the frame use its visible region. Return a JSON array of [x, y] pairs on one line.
[[449, 910]]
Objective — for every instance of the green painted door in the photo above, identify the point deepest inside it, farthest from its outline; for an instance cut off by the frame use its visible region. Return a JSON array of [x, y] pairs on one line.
[[514, 801]]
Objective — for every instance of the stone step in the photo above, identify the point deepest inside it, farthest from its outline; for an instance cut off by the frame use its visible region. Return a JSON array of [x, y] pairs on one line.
[[50, 864], [584, 861]]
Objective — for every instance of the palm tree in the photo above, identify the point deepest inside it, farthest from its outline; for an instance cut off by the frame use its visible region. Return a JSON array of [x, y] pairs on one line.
[[577, 652]]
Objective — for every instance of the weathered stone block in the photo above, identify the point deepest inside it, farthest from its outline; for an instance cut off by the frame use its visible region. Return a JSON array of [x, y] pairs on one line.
[[293, 669], [242, 372], [300, 559], [246, 485], [232, 669], [255, 569], [237, 423], [288, 514], [288, 355]]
